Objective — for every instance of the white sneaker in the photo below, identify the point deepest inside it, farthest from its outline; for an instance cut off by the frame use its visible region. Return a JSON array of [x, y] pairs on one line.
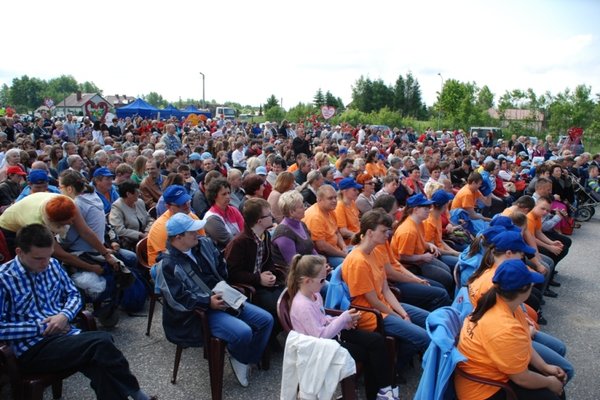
[[240, 371], [387, 394]]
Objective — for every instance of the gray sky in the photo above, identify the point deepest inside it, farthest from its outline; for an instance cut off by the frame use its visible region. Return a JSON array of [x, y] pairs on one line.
[[249, 50]]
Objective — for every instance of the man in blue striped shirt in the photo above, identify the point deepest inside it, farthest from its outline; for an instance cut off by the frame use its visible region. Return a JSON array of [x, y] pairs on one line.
[[37, 302]]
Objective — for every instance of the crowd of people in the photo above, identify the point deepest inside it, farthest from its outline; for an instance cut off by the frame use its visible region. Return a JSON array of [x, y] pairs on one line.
[[284, 206]]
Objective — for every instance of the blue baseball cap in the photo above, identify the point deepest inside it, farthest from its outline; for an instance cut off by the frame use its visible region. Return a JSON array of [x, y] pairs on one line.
[[441, 197], [38, 176], [343, 150], [103, 172], [504, 222], [349, 183], [511, 240], [181, 223], [176, 194], [418, 200], [195, 157], [514, 274], [206, 156], [261, 171]]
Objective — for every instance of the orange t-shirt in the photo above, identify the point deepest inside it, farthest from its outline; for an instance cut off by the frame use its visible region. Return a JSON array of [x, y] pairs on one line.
[[534, 223], [433, 230], [322, 226], [157, 236], [508, 211], [347, 217], [482, 284], [409, 239], [465, 198], [363, 274], [375, 169], [385, 255], [497, 346]]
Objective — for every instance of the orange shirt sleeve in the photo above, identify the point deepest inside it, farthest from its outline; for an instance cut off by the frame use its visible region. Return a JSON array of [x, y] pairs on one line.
[[433, 231]]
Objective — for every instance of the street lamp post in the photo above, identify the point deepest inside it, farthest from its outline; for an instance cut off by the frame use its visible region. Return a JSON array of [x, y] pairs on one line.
[[439, 104], [203, 98]]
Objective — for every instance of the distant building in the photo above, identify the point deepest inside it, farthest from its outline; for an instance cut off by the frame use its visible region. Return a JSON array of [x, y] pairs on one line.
[[529, 118], [86, 103]]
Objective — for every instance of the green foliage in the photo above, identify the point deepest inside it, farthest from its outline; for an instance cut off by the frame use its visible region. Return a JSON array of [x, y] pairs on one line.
[[300, 112], [156, 100], [569, 109], [59, 88], [404, 97], [319, 99], [4, 94], [26, 94], [89, 87], [275, 113], [271, 102]]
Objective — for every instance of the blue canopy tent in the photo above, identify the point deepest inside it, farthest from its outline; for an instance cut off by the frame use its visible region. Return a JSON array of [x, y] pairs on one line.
[[138, 107], [171, 111]]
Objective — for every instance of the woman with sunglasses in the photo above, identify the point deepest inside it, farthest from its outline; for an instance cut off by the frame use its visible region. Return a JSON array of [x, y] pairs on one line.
[[305, 280]]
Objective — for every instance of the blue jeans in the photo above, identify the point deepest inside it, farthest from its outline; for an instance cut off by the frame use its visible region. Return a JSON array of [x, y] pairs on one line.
[[412, 336], [440, 272], [552, 351], [246, 335], [426, 297]]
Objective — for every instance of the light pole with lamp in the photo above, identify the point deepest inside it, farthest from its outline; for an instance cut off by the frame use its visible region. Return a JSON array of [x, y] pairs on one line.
[[203, 98], [439, 99]]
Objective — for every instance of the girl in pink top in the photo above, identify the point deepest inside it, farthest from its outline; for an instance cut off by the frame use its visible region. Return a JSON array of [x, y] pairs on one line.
[[306, 276]]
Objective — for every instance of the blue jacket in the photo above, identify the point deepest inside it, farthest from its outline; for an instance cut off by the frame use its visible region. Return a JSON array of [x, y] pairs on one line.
[[473, 226], [338, 294], [441, 357]]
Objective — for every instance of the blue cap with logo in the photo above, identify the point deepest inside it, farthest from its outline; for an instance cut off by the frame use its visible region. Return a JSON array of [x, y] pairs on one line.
[[513, 241], [181, 223], [176, 194], [103, 172], [349, 183], [418, 200], [38, 176], [195, 157], [513, 274], [441, 197]]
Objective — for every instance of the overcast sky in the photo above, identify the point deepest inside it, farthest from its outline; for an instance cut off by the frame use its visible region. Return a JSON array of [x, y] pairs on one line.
[[249, 50]]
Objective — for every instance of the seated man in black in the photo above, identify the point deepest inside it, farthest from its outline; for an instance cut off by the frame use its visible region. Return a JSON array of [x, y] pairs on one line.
[[37, 302]]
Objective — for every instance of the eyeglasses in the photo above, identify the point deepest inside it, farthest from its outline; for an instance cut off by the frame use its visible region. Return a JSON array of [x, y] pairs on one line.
[[266, 216]]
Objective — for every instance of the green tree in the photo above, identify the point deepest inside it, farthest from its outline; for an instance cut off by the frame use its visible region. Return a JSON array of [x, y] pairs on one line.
[[362, 93], [4, 95], [457, 103], [330, 100], [155, 99], [485, 98], [89, 87], [319, 99], [300, 112], [59, 88], [275, 113], [271, 102], [571, 108], [26, 94]]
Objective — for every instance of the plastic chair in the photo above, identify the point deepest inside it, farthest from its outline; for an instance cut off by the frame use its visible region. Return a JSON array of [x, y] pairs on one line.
[[141, 251], [31, 386], [214, 352]]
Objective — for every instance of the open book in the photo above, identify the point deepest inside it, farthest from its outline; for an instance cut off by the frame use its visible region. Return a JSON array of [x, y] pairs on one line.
[[231, 296]]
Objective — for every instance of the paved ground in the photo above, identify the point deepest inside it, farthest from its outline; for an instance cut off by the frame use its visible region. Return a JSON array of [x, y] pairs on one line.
[[573, 317]]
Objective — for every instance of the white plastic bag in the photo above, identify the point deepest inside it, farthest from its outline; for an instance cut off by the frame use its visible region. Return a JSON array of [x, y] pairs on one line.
[[91, 283]]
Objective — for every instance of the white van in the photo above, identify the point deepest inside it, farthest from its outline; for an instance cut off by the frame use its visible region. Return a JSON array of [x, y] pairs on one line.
[[227, 112], [483, 130]]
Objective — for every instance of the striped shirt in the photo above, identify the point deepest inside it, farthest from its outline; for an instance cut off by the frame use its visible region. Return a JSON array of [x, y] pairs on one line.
[[27, 298]]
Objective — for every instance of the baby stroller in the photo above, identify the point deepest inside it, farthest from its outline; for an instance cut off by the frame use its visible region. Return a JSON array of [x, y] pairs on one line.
[[585, 200]]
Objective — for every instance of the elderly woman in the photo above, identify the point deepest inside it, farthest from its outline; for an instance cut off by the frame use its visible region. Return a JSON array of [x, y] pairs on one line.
[[223, 221], [291, 236], [128, 215], [366, 198], [285, 181]]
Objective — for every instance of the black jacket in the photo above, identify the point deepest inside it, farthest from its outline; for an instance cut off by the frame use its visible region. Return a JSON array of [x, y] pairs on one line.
[[182, 295]]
